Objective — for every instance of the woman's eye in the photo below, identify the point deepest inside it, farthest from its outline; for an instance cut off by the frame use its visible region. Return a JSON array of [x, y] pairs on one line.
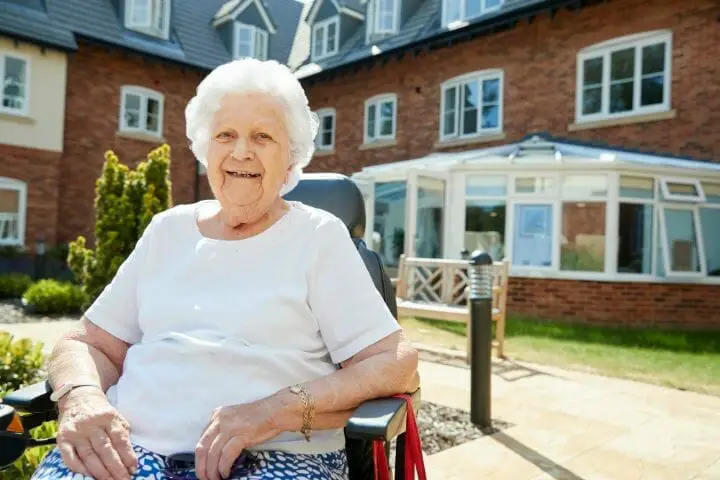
[[264, 136], [224, 136]]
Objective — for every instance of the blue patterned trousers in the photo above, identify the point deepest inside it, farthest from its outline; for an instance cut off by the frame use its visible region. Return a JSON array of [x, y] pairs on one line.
[[259, 466]]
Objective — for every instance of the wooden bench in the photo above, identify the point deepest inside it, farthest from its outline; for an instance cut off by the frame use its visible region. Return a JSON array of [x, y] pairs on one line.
[[438, 289]]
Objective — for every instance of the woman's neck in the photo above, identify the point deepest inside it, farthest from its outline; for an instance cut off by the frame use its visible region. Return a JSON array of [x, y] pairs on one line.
[[222, 227]]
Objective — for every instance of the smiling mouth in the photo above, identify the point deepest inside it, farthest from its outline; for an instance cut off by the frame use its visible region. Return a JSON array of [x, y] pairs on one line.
[[243, 174]]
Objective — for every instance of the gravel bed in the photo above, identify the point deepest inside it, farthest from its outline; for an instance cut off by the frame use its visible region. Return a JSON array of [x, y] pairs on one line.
[[444, 427], [11, 311]]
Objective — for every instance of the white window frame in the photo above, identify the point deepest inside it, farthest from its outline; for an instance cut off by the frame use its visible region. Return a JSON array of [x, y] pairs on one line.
[[325, 26], [604, 50], [148, 28], [21, 188], [322, 113], [144, 94], [699, 244], [377, 100], [462, 8], [376, 17], [700, 197], [26, 106], [255, 33], [459, 81]]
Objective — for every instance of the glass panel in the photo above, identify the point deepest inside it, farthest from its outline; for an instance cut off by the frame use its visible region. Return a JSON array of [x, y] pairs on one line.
[[486, 186], [371, 121], [582, 245], [386, 115], [635, 239], [532, 242], [712, 192], [653, 89], [389, 223], [473, 8], [653, 59], [585, 186], [592, 71], [681, 240], [140, 15], [132, 110], [327, 130], [592, 85], [491, 90], [9, 201], [592, 100], [637, 187], [470, 108], [260, 45], [159, 13], [449, 114], [331, 35], [490, 117], [386, 10], [492, 3], [319, 40], [622, 69], [429, 220], [485, 227], [452, 9], [13, 92], [710, 224], [153, 115], [681, 189], [534, 185]]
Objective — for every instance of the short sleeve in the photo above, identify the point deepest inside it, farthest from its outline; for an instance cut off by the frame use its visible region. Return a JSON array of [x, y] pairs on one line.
[[351, 313], [115, 310]]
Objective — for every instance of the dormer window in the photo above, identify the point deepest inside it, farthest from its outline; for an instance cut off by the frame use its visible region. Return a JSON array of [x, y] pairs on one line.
[[463, 10], [250, 41], [326, 38], [386, 16], [151, 17]]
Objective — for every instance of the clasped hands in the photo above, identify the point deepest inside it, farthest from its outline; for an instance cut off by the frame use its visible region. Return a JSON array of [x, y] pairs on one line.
[[94, 439]]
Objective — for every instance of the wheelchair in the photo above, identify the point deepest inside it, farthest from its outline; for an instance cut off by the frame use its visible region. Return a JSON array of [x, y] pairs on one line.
[[381, 419]]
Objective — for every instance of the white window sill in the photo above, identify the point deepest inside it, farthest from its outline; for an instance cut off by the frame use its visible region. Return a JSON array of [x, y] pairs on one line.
[[625, 120], [142, 136], [378, 144], [459, 142], [16, 117], [324, 152]]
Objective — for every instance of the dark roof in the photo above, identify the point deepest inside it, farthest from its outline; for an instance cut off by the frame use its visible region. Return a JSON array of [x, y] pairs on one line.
[[424, 26], [193, 40], [28, 20]]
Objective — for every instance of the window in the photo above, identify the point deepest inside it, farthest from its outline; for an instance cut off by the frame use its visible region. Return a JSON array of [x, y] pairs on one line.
[[326, 38], [12, 211], [380, 114], [624, 77], [325, 139], [148, 16], [533, 240], [389, 224], [386, 16], [636, 221], [471, 105], [141, 111], [582, 242], [681, 190], [250, 41], [460, 10], [14, 74], [485, 214]]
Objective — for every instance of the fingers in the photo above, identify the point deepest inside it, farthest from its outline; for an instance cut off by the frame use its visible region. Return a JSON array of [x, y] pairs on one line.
[[103, 447], [120, 438], [230, 452], [71, 459], [201, 452], [213, 458], [87, 455]]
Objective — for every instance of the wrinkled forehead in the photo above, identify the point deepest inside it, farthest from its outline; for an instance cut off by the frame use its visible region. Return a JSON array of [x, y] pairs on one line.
[[238, 109]]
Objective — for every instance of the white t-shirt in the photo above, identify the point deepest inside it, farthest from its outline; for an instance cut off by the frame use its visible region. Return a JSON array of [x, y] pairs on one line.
[[216, 322]]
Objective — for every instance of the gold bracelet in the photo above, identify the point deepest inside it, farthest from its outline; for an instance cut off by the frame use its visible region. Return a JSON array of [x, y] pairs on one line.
[[308, 409]]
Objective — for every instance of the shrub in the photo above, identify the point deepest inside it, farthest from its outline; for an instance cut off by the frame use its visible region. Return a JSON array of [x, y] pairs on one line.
[[21, 364], [13, 285], [125, 202], [53, 297]]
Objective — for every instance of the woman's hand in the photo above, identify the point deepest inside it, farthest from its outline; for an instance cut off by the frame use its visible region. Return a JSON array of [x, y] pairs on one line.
[[93, 438], [230, 431]]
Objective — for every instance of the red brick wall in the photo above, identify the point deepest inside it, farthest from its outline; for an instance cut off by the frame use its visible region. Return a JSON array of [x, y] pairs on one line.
[[95, 77], [633, 304], [539, 62], [39, 170]]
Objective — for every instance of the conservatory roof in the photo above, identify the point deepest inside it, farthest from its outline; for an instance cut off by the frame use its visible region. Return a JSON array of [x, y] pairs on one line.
[[542, 150]]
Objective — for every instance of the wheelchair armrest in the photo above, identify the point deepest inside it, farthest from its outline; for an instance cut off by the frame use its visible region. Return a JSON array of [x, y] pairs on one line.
[[34, 398], [380, 419]]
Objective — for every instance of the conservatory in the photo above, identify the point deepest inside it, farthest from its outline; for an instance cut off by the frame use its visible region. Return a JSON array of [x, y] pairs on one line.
[[555, 209]]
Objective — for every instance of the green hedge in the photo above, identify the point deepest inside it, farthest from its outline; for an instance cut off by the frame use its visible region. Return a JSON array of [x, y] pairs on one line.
[[13, 285], [52, 297]]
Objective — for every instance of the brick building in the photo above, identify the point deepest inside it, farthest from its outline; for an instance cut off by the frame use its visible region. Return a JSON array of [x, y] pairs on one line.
[[84, 76], [578, 139]]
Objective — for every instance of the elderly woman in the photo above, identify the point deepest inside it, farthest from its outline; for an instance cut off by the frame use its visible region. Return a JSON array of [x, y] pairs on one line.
[[222, 335]]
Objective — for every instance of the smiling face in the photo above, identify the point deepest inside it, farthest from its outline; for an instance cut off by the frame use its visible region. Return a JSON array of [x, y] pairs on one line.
[[248, 159]]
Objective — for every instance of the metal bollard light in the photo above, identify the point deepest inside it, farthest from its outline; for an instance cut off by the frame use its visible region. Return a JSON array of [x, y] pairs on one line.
[[481, 281]]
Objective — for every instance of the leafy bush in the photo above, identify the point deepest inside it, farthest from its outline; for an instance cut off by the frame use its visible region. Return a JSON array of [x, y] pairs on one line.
[[13, 285], [125, 202], [53, 297], [21, 364]]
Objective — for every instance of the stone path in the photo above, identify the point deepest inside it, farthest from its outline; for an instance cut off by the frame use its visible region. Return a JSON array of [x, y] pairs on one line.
[[566, 425]]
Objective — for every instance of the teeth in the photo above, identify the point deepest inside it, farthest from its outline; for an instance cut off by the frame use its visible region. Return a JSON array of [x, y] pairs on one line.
[[244, 174]]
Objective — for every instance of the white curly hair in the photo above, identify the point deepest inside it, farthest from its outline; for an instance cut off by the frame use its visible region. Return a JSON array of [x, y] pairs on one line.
[[249, 75]]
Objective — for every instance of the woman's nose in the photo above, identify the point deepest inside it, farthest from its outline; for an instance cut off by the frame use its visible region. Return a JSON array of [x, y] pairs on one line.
[[242, 149]]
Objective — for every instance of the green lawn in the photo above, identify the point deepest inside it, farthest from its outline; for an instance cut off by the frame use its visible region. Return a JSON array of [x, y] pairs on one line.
[[687, 360]]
